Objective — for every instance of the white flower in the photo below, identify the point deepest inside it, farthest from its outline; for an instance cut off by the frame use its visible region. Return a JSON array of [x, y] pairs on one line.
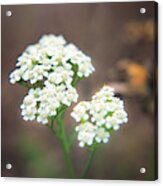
[[104, 111], [121, 116], [29, 109], [51, 39], [48, 102], [38, 73], [80, 111], [102, 135], [106, 93], [86, 133], [16, 75], [70, 96], [85, 69], [112, 122], [43, 116], [60, 75]]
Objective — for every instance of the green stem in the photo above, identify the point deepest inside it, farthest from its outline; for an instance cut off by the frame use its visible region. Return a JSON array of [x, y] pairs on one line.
[[76, 80], [65, 145], [25, 84], [72, 137], [89, 162], [51, 126]]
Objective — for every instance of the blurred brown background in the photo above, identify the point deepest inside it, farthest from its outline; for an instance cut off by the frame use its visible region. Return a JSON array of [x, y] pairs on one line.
[[121, 43]]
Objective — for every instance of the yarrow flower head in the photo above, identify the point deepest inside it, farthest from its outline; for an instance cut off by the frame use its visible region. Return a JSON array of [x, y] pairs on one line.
[[50, 69], [98, 117]]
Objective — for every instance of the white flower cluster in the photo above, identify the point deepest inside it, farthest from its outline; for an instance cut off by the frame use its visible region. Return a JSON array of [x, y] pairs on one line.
[[98, 117], [42, 104], [51, 55], [50, 67]]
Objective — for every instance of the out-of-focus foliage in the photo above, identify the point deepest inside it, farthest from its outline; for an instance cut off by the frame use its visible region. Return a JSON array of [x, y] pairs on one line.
[[37, 160], [140, 30]]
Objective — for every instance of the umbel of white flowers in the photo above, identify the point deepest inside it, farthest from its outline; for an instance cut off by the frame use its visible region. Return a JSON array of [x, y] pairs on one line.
[[98, 117], [50, 68]]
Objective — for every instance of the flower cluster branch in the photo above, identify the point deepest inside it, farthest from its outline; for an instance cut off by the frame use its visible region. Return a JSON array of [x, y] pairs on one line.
[[50, 69]]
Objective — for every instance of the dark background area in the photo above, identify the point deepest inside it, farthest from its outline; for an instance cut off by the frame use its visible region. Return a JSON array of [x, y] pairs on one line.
[[121, 43]]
